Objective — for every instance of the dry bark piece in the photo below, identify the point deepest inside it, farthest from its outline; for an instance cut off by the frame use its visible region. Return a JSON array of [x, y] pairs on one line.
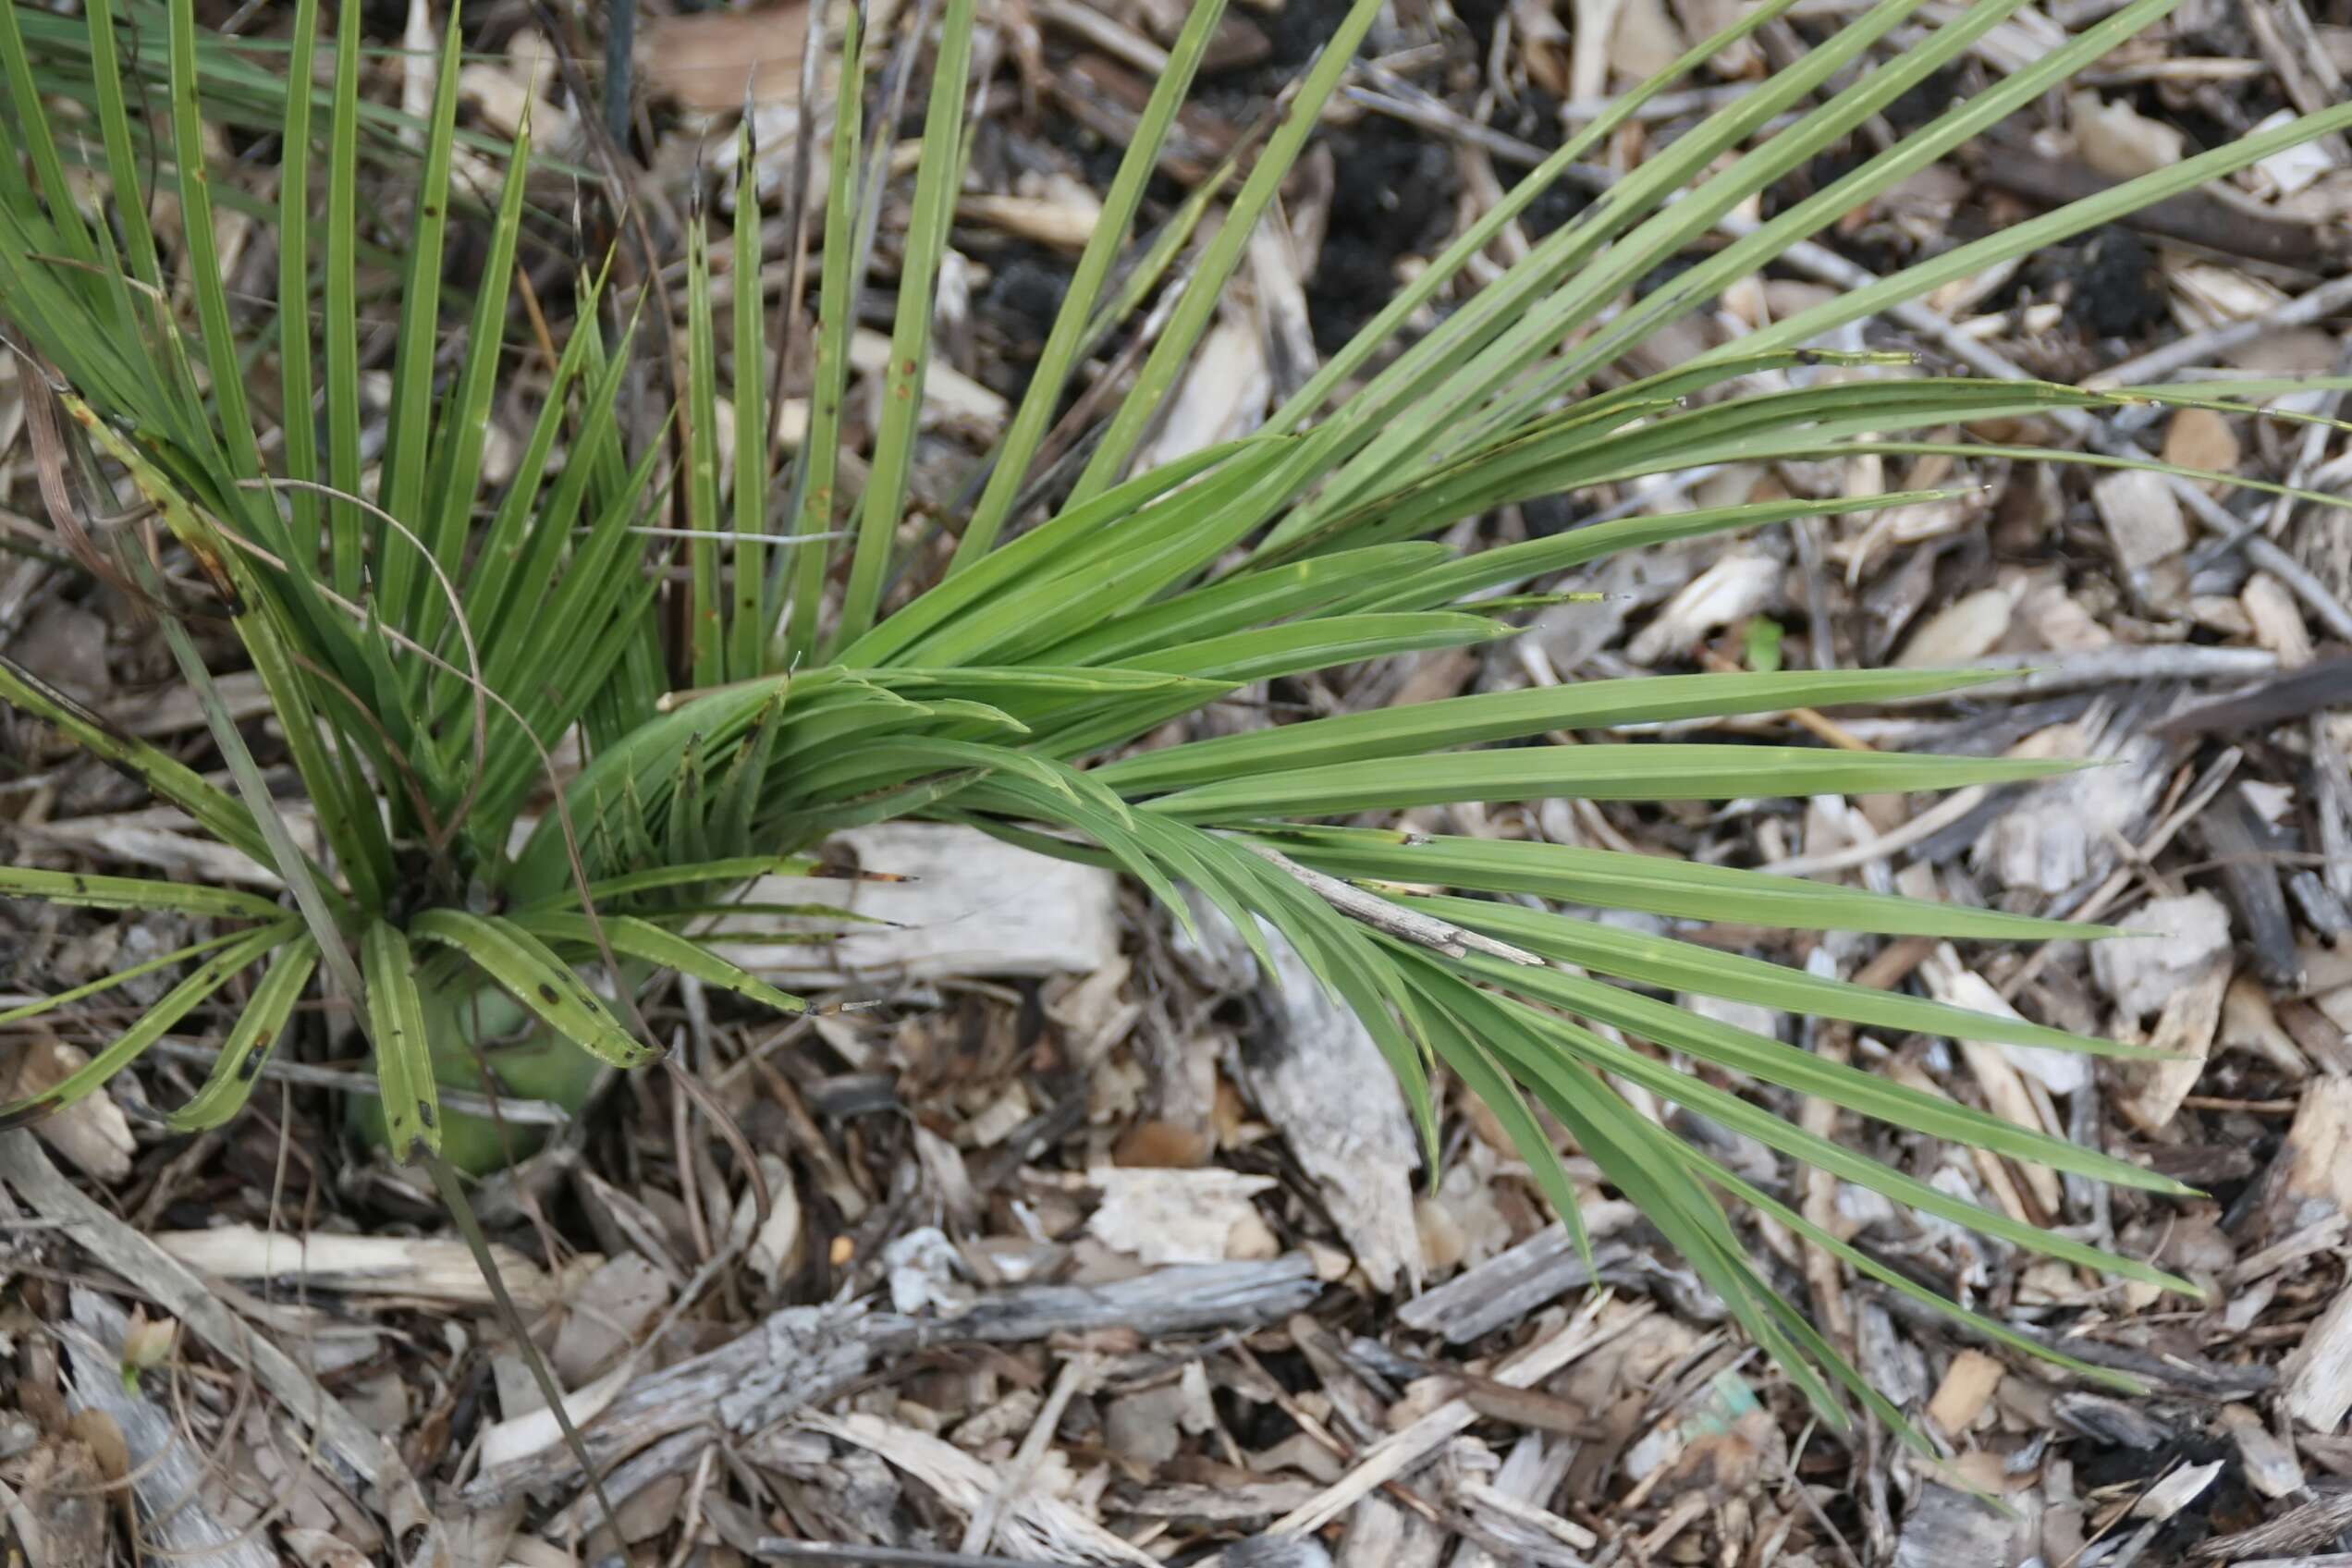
[[358, 1453], [1058, 223], [134, 1438], [2237, 840], [1317, 1074], [802, 1356], [1035, 1523], [2012, 164], [1513, 1285], [2318, 1373], [1732, 589], [2271, 1467], [1223, 396], [2297, 1530], [2318, 1157], [394, 1265], [1947, 1528], [2312, 689], [604, 1317], [973, 905]]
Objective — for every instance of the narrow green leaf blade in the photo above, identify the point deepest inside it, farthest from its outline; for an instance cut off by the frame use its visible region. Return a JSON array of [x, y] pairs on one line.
[[1642, 772], [523, 963], [403, 1052], [230, 1084]]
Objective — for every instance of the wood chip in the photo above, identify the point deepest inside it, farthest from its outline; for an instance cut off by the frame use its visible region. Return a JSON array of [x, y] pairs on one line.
[[2143, 518], [1965, 630], [2186, 935], [1966, 1390], [2319, 1151], [93, 1134], [2202, 438], [2154, 1090], [2318, 1373], [2271, 1467]]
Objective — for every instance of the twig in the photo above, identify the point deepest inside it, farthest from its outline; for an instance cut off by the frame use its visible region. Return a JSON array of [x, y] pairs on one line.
[[2299, 580], [778, 1548], [2039, 674], [802, 1355], [532, 1114], [980, 1534], [2198, 347], [1927, 825], [1405, 925]]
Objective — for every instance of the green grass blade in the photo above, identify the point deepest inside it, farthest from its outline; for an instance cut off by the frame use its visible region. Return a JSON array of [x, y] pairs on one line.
[[972, 600], [347, 822], [1320, 643], [523, 963], [1862, 1263], [1642, 772], [409, 428], [349, 531], [297, 383], [204, 259], [1769, 1060], [1067, 338], [88, 989], [641, 938], [1380, 334], [1534, 558], [820, 450], [465, 423], [936, 185], [706, 617], [1146, 400], [90, 891], [230, 1084], [175, 1004], [2048, 230], [1253, 598], [749, 627], [1507, 715], [123, 167], [1654, 884], [40, 142], [403, 1052], [217, 812], [1728, 1109], [1686, 967]]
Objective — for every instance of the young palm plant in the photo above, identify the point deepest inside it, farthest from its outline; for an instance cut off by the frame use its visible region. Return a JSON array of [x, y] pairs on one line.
[[428, 639]]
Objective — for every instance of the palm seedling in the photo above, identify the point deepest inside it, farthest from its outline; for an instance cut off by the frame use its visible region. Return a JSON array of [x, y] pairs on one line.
[[429, 640]]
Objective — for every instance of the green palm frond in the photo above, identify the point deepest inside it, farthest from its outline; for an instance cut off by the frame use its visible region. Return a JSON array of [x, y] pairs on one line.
[[429, 640]]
